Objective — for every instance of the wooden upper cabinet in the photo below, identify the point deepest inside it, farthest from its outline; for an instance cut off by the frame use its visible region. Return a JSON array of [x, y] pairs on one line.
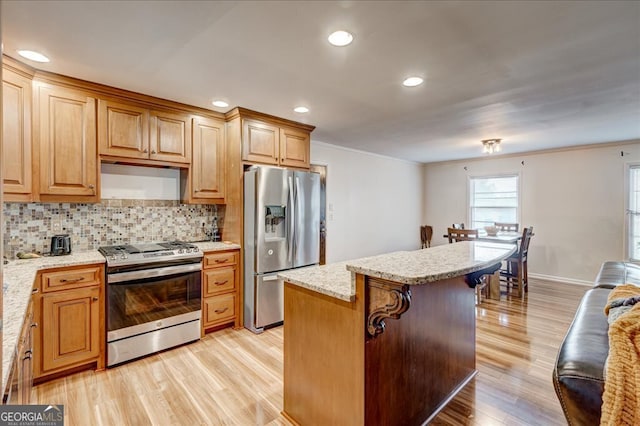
[[123, 129], [294, 148], [67, 144], [129, 130], [272, 142], [16, 137], [260, 142], [208, 167], [170, 137]]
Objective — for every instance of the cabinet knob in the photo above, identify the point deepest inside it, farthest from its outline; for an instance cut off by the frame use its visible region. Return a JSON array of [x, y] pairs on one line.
[[34, 325], [197, 190], [35, 290], [145, 150], [153, 151], [95, 299]]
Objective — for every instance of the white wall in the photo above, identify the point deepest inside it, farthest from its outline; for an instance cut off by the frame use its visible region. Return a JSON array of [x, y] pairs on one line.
[[574, 199], [139, 183], [376, 202]]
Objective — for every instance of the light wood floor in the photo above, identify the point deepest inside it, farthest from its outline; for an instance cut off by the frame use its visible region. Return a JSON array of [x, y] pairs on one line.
[[235, 377]]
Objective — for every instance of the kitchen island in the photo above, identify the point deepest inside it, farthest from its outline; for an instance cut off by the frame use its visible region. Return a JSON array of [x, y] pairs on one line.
[[384, 340]]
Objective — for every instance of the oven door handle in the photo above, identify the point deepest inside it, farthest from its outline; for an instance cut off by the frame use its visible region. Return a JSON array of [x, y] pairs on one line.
[[124, 277]]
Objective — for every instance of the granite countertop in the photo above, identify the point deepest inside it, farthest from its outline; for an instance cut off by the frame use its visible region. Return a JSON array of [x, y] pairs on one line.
[[433, 264], [333, 280], [408, 267], [216, 246], [19, 277]]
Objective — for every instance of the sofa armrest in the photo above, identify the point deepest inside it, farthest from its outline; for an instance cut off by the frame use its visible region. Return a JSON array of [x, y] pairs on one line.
[[613, 274], [579, 369]]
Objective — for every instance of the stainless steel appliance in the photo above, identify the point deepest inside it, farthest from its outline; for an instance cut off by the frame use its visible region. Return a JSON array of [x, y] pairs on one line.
[[60, 245], [281, 232], [153, 298]]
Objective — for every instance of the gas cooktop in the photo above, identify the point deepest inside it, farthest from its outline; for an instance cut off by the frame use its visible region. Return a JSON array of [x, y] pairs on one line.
[[149, 252]]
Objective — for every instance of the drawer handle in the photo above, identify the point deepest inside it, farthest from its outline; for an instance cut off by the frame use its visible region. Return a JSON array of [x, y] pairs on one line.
[[220, 311], [222, 260], [221, 282], [71, 281]]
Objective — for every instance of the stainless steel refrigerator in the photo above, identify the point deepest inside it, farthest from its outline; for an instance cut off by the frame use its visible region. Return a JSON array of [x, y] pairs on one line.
[[281, 232]]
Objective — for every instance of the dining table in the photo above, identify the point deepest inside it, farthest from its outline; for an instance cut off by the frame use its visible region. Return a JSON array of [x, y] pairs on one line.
[[507, 237]]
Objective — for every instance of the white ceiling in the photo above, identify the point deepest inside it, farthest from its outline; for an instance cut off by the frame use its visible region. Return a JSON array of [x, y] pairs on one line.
[[537, 74]]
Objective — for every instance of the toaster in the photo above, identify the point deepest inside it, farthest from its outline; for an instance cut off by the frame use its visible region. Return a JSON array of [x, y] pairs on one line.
[[60, 245]]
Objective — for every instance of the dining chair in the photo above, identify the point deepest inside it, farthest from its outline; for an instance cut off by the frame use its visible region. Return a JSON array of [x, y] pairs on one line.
[[426, 233], [456, 235], [504, 226], [515, 271], [458, 225]]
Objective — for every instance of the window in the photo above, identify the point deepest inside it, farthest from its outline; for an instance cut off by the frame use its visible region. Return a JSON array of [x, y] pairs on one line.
[[633, 213], [493, 199]]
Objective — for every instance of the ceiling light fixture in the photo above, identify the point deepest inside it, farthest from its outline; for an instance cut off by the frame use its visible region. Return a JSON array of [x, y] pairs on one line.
[[491, 145], [340, 38], [220, 104], [412, 81], [33, 56], [301, 109]]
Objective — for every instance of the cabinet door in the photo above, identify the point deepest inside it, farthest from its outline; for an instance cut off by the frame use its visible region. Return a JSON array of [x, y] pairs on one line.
[[170, 137], [70, 328], [260, 142], [16, 134], [208, 166], [67, 139], [294, 148], [123, 130]]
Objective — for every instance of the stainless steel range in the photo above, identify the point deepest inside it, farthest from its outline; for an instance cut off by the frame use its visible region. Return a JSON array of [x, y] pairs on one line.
[[153, 298]]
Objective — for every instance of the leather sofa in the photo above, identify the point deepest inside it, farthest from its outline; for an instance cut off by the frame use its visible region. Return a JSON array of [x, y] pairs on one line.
[[578, 376]]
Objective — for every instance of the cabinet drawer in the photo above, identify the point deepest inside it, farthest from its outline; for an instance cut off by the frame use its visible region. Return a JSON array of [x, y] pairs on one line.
[[219, 280], [219, 308], [71, 278], [215, 260]]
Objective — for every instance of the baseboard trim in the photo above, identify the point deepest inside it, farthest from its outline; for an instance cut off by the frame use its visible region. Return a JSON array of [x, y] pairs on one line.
[[561, 279]]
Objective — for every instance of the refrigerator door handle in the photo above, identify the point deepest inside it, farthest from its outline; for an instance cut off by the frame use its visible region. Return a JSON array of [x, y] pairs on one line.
[[292, 221], [270, 278]]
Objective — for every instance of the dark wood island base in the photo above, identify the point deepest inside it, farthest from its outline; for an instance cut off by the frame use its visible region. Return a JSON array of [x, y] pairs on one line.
[[396, 355]]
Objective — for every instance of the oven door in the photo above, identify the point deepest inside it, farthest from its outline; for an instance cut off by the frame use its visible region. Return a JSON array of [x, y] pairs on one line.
[[146, 300]]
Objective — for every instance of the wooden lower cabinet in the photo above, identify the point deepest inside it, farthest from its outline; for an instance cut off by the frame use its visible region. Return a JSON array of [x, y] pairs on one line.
[[220, 286], [20, 382], [72, 322]]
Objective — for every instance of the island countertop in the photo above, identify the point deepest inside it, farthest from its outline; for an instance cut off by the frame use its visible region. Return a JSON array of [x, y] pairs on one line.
[[408, 267]]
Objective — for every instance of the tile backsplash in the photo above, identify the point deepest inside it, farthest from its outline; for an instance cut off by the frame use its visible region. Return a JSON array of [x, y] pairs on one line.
[[29, 226]]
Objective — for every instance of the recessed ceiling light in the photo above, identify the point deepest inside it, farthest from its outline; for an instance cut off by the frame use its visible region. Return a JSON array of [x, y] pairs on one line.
[[340, 38], [301, 109], [412, 81], [33, 56], [220, 104]]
